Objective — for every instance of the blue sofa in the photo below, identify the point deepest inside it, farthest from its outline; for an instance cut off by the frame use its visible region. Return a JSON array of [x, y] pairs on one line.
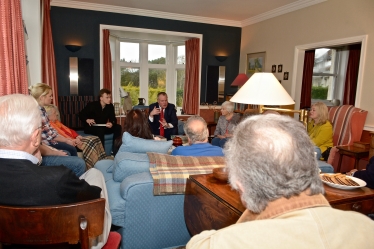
[[145, 221]]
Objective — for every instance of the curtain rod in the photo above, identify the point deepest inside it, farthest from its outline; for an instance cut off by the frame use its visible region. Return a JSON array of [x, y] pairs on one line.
[[147, 40]]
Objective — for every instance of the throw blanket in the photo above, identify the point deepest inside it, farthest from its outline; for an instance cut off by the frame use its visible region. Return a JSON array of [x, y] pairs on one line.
[[170, 173]]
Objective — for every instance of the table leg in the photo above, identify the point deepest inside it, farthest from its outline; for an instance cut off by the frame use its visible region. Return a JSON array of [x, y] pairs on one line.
[[356, 162], [340, 163]]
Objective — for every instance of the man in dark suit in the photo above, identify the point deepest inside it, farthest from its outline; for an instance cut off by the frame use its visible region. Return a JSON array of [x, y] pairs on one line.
[[99, 118], [163, 117]]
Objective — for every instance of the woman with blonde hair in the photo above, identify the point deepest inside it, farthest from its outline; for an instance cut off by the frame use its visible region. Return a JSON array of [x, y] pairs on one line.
[[320, 128], [42, 93], [91, 146], [226, 124]]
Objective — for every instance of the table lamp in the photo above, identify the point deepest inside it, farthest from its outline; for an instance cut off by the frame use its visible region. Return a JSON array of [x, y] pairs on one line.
[[264, 89]]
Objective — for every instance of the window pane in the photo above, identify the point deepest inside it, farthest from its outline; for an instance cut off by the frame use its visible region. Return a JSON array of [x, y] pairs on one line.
[[181, 54], [156, 83], [322, 87], [129, 52], [324, 60], [180, 87], [130, 83], [156, 54]]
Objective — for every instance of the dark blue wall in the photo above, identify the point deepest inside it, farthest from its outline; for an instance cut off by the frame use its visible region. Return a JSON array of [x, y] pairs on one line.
[[75, 26]]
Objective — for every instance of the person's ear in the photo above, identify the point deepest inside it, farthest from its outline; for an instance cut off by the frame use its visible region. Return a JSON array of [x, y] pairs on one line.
[[240, 186], [36, 138]]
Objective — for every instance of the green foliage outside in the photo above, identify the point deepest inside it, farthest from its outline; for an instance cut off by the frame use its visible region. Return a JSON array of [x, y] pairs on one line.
[[319, 92], [156, 83]]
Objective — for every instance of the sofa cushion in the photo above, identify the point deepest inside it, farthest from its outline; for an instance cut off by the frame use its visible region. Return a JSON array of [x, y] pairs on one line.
[[128, 163], [140, 145]]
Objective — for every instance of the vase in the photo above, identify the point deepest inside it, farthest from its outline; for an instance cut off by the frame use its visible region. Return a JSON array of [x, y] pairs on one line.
[[216, 117]]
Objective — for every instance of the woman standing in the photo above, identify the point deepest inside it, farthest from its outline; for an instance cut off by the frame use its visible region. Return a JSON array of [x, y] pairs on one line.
[[43, 95], [226, 124], [320, 128], [91, 146]]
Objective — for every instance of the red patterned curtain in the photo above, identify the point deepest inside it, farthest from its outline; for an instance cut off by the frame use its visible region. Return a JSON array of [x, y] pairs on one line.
[[306, 88], [107, 60], [13, 73], [191, 85], [48, 54], [350, 86]]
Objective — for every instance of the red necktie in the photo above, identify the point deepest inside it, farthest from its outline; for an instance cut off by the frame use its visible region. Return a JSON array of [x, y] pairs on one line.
[[162, 132]]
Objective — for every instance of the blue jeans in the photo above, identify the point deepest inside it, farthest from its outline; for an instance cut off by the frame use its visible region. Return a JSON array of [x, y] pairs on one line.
[[219, 142], [67, 147], [76, 164], [318, 150]]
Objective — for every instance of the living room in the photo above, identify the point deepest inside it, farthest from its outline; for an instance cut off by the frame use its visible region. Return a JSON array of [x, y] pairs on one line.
[[283, 37]]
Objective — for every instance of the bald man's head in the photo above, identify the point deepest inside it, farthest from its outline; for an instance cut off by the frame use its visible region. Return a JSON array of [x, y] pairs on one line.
[[196, 130]]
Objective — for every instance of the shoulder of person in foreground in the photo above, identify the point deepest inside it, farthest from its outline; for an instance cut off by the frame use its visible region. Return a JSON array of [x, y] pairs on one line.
[[72, 189]]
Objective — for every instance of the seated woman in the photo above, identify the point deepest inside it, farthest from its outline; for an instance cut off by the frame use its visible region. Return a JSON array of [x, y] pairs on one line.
[[226, 124], [42, 93], [137, 125], [320, 128], [91, 146]]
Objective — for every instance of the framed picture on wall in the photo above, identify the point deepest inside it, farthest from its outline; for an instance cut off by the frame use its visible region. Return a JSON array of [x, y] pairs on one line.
[[274, 68], [255, 63]]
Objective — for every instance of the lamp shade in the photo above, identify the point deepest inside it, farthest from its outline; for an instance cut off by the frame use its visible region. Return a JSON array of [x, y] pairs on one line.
[[73, 48], [262, 89], [240, 80]]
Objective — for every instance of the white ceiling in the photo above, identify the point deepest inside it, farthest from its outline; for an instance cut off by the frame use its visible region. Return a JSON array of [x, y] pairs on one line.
[[223, 12]]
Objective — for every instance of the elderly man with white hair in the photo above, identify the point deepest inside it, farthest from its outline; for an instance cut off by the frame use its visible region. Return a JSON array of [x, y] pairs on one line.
[[23, 182], [271, 162], [197, 133]]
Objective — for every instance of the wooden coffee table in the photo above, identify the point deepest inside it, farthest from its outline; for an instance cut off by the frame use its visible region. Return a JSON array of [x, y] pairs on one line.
[[212, 204]]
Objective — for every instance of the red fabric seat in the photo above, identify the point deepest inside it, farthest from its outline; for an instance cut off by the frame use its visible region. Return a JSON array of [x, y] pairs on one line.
[[113, 242], [348, 123]]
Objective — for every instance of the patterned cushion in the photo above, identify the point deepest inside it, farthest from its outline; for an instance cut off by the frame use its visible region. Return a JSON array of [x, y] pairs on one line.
[[170, 173], [128, 163], [140, 145]]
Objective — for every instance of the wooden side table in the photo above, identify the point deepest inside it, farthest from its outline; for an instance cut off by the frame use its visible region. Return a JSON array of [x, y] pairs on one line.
[[211, 204], [351, 151]]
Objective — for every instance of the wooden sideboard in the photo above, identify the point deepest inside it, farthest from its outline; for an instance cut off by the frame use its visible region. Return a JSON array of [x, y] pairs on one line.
[[212, 204]]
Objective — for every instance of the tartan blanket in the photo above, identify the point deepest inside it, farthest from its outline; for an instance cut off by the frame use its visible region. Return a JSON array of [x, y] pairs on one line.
[[92, 149], [170, 173]]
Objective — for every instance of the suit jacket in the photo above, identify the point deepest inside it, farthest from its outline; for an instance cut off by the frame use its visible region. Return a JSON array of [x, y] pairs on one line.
[[93, 110], [23, 183], [170, 116]]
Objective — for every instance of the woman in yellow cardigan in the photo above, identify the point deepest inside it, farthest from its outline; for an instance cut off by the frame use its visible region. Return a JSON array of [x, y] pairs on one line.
[[320, 128]]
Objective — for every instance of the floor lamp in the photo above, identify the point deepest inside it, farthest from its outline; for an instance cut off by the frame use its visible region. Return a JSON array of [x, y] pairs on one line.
[[264, 89]]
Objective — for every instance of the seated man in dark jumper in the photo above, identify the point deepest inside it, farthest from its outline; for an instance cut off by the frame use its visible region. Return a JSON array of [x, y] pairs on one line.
[[99, 118], [22, 181]]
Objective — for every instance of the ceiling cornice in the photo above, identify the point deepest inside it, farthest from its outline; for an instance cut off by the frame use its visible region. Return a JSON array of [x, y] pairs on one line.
[[280, 11], [173, 16], [142, 12]]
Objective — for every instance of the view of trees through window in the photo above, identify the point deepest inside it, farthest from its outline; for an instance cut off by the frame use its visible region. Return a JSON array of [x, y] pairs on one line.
[[324, 73], [156, 69]]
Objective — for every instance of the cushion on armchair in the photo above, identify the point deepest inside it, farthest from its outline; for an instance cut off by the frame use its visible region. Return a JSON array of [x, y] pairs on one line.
[[128, 163], [348, 123], [140, 145]]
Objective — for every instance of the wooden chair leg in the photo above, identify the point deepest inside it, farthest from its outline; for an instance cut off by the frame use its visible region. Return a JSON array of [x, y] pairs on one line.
[[83, 232]]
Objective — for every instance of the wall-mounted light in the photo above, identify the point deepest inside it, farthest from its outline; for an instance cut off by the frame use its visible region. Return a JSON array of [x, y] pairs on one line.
[[221, 58], [73, 75], [73, 48]]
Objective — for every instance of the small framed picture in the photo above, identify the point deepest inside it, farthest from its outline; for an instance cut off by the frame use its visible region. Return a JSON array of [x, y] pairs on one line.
[[274, 68], [280, 68], [285, 76]]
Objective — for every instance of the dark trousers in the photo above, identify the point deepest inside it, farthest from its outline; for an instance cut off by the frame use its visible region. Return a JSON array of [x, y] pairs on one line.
[[67, 147], [100, 131]]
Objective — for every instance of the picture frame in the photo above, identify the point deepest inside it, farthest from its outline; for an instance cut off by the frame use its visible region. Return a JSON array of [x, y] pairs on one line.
[[255, 63], [285, 76], [280, 68], [274, 68]]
